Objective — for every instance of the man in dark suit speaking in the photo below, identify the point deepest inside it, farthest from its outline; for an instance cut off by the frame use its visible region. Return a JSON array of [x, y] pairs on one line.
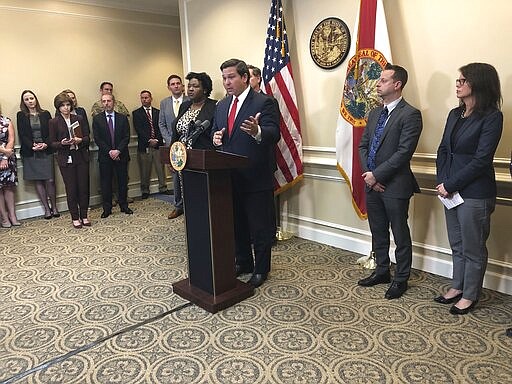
[[112, 135], [247, 123], [385, 150]]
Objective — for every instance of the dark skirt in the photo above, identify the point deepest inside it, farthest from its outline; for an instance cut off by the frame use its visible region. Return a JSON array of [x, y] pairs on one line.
[[38, 167]]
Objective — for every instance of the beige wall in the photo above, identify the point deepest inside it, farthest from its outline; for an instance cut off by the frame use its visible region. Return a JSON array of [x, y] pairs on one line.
[[432, 39], [48, 46]]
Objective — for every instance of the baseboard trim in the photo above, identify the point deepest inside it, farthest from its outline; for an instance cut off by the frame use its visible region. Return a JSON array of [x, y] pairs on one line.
[[331, 235]]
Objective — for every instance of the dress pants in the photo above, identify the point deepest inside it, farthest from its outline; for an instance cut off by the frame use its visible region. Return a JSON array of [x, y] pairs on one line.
[[178, 198], [254, 219], [107, 170], [76, 182], [468, 227], [146, 160], [383, 212]]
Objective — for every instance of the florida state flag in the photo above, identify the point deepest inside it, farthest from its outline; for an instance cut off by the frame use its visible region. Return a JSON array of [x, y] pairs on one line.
[[369, 56]]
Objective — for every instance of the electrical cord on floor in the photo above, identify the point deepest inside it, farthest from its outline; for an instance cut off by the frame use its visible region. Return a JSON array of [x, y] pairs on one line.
[[58, 359]]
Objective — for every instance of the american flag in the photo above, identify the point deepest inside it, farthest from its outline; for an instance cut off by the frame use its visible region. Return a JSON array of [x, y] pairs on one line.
[[278, 79]]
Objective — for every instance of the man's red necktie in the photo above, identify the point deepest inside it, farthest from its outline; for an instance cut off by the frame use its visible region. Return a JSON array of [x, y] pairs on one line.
[[152, 129], [232, 115]]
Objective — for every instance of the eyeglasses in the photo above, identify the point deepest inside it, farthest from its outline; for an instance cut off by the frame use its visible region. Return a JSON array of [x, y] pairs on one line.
[[460, 82]]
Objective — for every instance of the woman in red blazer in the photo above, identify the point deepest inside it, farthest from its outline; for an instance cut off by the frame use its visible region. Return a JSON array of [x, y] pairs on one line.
[[69, 136]]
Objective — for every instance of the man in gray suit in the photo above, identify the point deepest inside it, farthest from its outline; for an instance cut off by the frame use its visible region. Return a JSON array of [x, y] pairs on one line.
[[169, 108], [385, 150]]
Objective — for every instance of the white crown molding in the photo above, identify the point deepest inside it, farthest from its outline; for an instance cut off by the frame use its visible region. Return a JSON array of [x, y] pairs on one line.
[[85, 16], [160, 7]]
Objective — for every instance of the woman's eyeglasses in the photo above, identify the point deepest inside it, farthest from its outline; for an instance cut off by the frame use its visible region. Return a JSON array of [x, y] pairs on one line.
[[460, 82]]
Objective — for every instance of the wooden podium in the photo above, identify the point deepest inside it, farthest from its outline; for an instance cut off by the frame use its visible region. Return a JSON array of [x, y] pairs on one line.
[[208, 204]]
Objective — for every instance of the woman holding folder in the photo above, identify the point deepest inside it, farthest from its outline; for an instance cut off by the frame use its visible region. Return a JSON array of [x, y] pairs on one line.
[[69, 136]]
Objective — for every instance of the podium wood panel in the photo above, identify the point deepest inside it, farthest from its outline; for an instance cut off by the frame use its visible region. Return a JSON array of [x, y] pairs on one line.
[[208, 205]]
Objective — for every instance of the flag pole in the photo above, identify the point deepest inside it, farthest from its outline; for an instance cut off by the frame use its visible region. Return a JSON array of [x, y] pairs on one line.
[[281, 234]]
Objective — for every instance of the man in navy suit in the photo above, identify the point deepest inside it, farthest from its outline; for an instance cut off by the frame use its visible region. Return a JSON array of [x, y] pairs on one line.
[[247, 123], [385, 150], [112, 135]]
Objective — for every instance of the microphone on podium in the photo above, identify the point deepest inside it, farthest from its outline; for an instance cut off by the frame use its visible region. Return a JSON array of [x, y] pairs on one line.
[[198, 128]]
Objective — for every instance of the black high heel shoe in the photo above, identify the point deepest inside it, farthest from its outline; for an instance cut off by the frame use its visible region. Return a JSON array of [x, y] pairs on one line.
[[458, 311], [443, 300]]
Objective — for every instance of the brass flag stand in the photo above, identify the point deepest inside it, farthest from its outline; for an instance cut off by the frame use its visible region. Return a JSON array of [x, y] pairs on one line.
[[368, 262], [283, 235]]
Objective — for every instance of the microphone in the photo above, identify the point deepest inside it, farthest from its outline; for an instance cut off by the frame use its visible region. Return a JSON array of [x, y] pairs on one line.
[[199, 127]]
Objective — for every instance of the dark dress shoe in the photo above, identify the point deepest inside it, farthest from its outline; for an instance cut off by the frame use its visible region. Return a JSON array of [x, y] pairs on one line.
[[105, 214], [241, 269], [145, 196], [374, 279], [508, 332], [443, 300], [396, 289], [56, 214], [168, 192], [127, 210], [457, 311], [48, 217], [175, 213], [257, 279]]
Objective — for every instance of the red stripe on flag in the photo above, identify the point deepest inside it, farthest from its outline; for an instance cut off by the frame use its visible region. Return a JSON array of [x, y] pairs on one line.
[[367, 19], [290, 144], [285, 93], [358, 185], [283, 166], [293, 112]]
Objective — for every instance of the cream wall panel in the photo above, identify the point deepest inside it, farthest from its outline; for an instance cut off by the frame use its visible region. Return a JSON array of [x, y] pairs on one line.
[[214, 31], [432, 39], [52, 48]]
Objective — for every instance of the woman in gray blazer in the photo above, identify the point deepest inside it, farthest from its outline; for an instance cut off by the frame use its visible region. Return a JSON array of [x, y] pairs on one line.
[[465, 165]]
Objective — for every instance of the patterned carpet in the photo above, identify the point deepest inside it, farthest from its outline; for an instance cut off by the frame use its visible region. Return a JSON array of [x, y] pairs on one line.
[[96, 306]]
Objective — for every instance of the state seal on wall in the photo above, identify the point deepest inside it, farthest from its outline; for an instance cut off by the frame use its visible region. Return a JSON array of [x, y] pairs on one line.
[[329, 43], [360, 90]]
